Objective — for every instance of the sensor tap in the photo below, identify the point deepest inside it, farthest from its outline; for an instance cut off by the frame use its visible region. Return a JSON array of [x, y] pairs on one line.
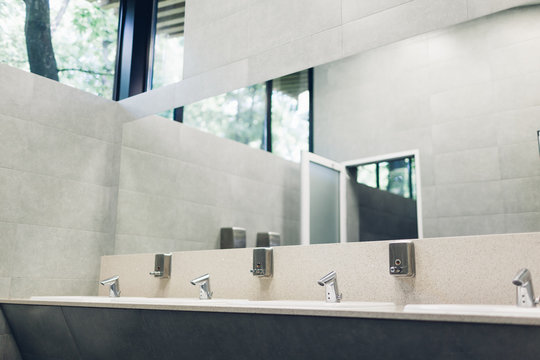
[[114, 285], [329, 281], [524, 290], [204, 282]]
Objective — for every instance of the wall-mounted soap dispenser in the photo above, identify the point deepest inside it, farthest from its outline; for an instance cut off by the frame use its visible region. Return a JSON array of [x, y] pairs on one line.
[[162, 266], [402, 258], [263, 262]]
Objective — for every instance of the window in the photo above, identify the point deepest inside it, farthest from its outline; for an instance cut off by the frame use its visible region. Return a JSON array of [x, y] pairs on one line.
[[169, 43], [237, 115], [273, 116], [73, 41], [290, 115], [397, 176]]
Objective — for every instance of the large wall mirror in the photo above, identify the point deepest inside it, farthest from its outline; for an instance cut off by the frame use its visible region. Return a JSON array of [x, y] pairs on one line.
[[465, 99]]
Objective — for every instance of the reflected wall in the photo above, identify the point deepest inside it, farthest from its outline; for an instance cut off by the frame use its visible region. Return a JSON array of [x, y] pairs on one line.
[[467, 98]]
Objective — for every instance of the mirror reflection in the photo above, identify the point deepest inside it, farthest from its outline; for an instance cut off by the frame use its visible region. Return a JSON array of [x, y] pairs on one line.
[[464, 98]]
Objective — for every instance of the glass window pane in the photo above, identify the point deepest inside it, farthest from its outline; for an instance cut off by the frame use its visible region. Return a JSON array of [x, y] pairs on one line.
[[290, 115], [169, 43], [82, 50], [237, 115], [367, 175], [398, 177]]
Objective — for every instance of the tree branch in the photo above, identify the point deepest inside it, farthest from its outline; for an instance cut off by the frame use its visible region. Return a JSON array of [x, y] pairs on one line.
[[59, 16], [86, 71]]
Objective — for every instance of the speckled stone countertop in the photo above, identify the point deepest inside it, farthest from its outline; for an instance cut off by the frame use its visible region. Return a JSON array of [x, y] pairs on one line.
[[494, 314]]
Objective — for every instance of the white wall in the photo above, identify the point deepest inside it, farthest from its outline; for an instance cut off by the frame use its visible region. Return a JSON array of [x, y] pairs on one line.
[[59, 168], [234, 43], [468, 98], [179, 186]]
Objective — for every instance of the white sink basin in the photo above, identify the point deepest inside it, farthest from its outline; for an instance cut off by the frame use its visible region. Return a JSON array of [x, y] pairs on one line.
[[223, 303], [462, 309]]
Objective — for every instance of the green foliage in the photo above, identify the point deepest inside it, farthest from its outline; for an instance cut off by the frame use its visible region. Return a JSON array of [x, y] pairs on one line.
[[237, 115], [84, 41]]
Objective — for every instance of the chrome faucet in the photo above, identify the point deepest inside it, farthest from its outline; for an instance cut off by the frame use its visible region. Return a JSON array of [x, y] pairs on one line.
[[114, 285], [524, 291], [329, 281], [204, 291]]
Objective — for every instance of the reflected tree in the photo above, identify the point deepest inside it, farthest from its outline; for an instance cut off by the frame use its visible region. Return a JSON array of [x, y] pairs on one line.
[[37, 29]]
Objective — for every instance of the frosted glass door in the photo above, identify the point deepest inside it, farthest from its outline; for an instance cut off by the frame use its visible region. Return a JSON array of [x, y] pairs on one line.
[[323, 200], [324, 204]]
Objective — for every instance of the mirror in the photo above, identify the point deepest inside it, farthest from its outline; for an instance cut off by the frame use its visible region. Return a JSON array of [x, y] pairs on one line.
[[466, 98]]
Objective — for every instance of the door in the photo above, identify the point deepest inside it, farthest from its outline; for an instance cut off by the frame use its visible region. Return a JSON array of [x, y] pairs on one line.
[[323, 208]]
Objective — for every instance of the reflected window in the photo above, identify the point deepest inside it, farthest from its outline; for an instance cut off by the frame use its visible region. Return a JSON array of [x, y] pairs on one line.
[[72, 41], [237, 115], [169, 43], [290, 115], [397, 176], [274, 116]]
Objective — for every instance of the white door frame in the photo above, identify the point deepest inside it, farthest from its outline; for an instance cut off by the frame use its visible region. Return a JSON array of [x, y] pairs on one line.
[[402, 154], [308, 157]]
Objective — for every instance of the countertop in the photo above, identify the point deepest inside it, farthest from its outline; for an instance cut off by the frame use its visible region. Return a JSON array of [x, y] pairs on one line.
[[494, 314]]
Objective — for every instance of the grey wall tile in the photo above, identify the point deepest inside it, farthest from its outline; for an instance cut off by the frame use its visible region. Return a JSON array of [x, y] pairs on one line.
[[470, 133], [10, 195], [5, 287], [59, 253], [521, 195], [63, 203], [352, 9], [516, 92], [466, 102], [17, 92], [8, 238], [132, 244], [522, 222], [46, 150], [471, 225], [400, 22], [479, 8], [476, 165], [26, 287], [83, 114], [483, 198], [147, 215], [516, 59], [276, 23], [518, 126], [520, 160], [217, 43], [153, 134]]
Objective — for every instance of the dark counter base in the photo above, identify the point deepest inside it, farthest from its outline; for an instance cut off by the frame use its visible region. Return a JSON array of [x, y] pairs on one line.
[[53, 332]]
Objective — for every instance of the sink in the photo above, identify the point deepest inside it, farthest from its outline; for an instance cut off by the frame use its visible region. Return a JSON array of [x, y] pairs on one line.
[[465, 309]]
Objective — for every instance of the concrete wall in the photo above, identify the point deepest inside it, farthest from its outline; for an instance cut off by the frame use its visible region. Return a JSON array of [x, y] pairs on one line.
[[234, 43], [59, 167], [468, 99], [374, 214], [179, 186]]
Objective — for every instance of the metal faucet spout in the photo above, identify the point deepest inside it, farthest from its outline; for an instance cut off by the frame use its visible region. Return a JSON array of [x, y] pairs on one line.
[[204, 291], [329, 281], [114, 285], [524, 290]]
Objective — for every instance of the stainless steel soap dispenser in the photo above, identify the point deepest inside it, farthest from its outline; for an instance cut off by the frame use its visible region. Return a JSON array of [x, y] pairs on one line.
[[263, 262], [401, 258], [162, 266]]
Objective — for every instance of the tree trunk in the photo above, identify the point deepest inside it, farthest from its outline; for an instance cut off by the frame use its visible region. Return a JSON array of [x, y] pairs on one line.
[[39, 47]]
